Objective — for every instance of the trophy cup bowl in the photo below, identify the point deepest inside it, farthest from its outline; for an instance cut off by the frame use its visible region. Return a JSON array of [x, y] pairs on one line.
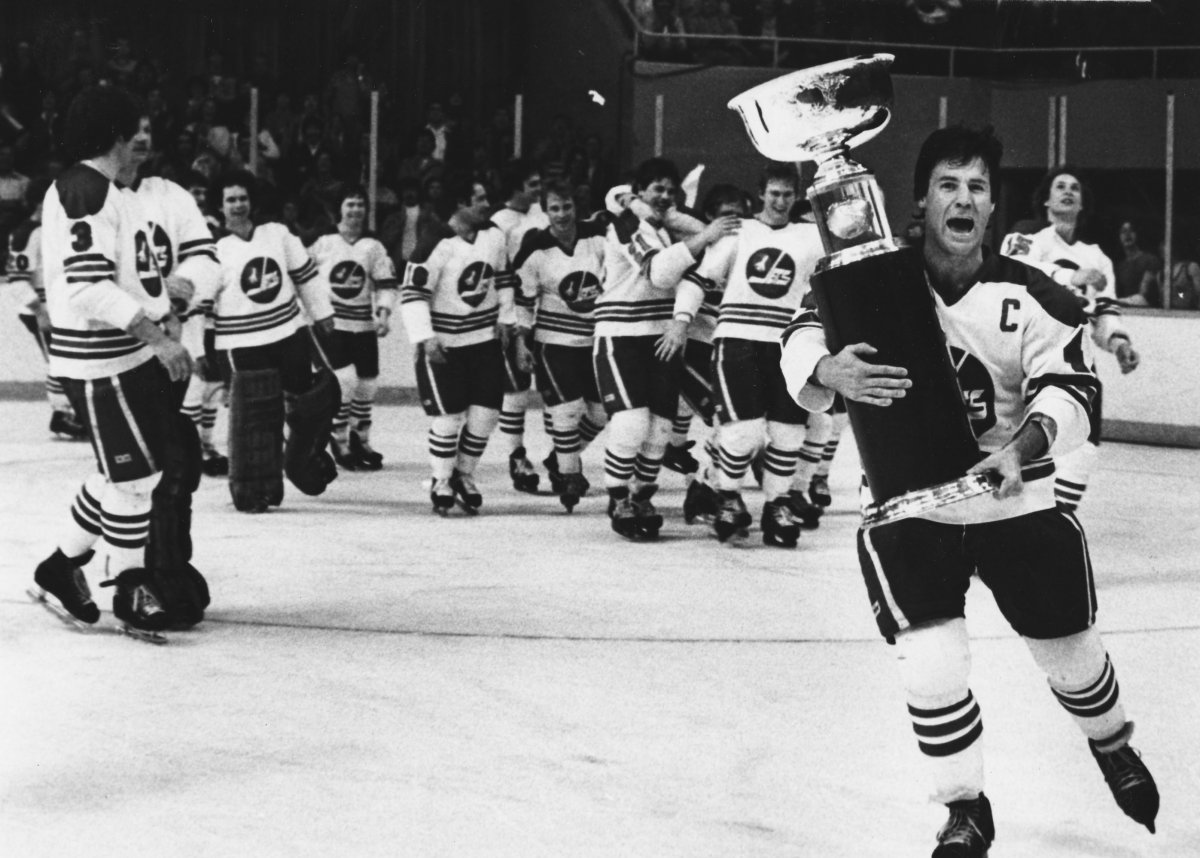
[[915, 453]]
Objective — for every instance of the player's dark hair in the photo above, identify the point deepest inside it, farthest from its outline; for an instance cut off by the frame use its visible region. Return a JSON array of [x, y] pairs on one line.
[[236, 178], [559, 187], [719, 195], [98, 117], [352, 191], [515, 173], [779, 172], [462, 190], [1041, 194], [652, 170], [958, 145]]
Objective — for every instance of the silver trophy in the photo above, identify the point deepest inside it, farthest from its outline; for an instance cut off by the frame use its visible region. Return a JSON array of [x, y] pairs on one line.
[[916, 452]]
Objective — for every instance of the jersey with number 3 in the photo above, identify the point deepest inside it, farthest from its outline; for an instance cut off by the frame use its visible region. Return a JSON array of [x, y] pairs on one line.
[[100, 272]]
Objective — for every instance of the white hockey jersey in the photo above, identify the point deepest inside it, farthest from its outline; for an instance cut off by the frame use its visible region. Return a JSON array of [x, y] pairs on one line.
[[100, 273], [263, 280], [1050, 252], [516, 225], [359, 276], [562, 285], [24, 266], [1018, 346], [184, 246], [642, 270], [460, 290], [761, 275]]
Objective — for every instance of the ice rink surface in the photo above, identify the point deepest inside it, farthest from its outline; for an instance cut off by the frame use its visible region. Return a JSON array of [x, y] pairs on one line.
[[374, 681]]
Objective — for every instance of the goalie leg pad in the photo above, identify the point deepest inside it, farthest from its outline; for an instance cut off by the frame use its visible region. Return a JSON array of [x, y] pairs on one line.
[[310, 423], [180, 588], [256, 439]]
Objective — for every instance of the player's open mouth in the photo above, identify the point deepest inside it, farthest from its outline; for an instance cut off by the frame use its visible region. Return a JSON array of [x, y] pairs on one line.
[[960, 225]]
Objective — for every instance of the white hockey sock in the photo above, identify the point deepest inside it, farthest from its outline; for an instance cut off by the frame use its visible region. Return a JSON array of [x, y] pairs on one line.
[[443, 444], [779, 458], [57, 396], [564, 431], [125, 518], [935, 666], [592, 424], [362, 405], [681, 425], [739, 442], [86, 526], [626, 432], [480, 424], [840, 421], [512, 420], [1082, 678]]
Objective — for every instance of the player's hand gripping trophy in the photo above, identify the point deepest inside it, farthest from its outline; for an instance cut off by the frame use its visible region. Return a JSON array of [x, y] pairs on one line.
[[916, 452]]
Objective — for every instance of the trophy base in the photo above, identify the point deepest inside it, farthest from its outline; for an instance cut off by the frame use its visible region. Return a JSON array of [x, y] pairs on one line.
[[922, 501]]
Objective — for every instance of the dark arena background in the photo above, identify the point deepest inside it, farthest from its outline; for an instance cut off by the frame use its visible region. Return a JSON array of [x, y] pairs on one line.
[[374, 680]]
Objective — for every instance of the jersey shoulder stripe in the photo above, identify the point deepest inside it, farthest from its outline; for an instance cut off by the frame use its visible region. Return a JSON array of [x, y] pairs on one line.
[[82, 191], [1059, 302]]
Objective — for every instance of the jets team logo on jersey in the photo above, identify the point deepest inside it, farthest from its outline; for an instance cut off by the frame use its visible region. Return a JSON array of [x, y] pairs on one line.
[[579, 291], [347, 279], [162, 249], [262, 280], [977, 388], [147, 265], [473, 283], [770, 272]]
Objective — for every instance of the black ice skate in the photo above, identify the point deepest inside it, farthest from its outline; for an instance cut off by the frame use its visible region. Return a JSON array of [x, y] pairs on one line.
[[700, 502], [64, 423], [620, 510], [732, 519], [365, 456], [550, 463], [343, 455], [135, 604], [466, 492], [1127, 776], [779, 526], [806, 512], [679, 458], [441, 495], [648, 521], [62, 577], [574, 486], [968, 832], [818, 490], [213, 464], [524, 477]]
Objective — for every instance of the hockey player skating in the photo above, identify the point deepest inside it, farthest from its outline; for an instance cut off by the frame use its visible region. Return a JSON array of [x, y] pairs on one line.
[[24, 271], [1086, 270], [361, 279], [457, 302], [560, 269], [520, 214], [116, 350], [267, 353], [639, 384], [184, 247], [1023, 356], [763, 273]]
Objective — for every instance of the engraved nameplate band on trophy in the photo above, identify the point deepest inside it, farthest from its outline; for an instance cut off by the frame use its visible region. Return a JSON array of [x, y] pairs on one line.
[[915, 453]]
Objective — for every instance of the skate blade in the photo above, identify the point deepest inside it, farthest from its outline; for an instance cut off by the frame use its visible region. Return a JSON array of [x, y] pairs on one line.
[[736, 538], [40, 596], [467, 508]]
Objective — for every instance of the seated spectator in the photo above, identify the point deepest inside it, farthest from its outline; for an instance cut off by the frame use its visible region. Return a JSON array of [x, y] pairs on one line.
[[433, 191], [122, 65], [1184, 279], [1138, 272], [661, 33], [283, 123]]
